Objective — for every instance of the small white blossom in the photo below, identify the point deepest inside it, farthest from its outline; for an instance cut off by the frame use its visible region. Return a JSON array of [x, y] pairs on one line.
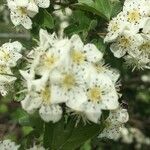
[[70, 85], [19, 13], [22, 11], [6, 79], [125, 43], [100, 95], [33, 6], [114, 124], [129, 33], [8, 145], [10, 53], [80, 54], [41, 95]]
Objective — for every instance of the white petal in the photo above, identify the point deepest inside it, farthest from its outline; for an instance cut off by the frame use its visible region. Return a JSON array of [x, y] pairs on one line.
[[15, 18], [119, 116], [32, 9], [26, 22], [116, 51], [93, 112], [112, 132], [57, 95], [76, 99], [17, 46], [51, 113], [46, 39], [22, 3], [31, 104], [110, 37], [43, 3], [7, 79], [8, 145], [146, 28], [113, 74], [11, 4], [77, 43], [26, 75], [110, 101], [92, 53]]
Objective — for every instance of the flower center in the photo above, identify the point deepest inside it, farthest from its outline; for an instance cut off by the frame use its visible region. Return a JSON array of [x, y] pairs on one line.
[[69, 81], [77, 57], [145, 47], [124, 42], [134, 16], [114, 27], [95, 94], [22, 10], [48, 60], [4, 55], [46, 95]]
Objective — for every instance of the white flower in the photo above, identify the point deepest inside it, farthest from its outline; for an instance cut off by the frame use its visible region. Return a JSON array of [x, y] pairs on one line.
[[70, 82], [50, 53], [41, 95], [34, 4], [37, 147], [80, 54], [125, 43], [10, 53], [6, 79], [19, 13], [136, 9], [101, 95], [113, 74], [41, 3], [114, 124], [115, 28], [8, 145], [130, 31], [140, 62]]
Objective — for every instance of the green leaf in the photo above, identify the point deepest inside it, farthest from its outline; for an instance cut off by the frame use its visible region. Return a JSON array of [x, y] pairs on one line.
[[82, 24], [80, 135], [103, 8], [48, 20], [62, 136], [44, 19]]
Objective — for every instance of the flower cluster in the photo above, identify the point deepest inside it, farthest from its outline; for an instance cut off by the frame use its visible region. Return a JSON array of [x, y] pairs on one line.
[[23, 10], [8, 145], [114, 124], [129, 33], [9, 55], [134, 135], [65, 71]]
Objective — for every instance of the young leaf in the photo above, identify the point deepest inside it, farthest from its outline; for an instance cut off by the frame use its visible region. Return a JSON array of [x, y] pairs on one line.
[[102, 8]]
